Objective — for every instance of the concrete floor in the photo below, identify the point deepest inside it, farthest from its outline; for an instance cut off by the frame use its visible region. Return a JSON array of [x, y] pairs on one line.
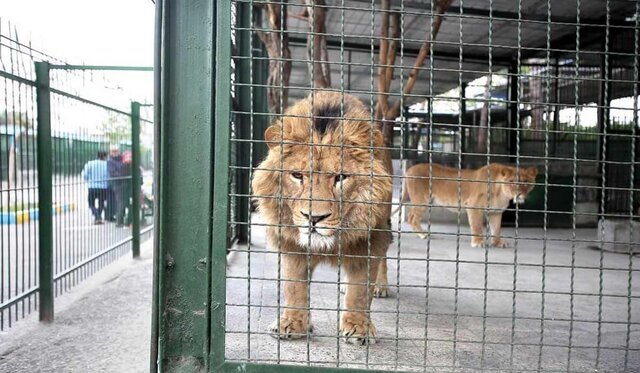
[[101, 325], [493, 329]]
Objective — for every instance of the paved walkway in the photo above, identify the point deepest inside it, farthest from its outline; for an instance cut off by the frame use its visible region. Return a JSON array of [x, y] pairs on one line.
[[102, 325]]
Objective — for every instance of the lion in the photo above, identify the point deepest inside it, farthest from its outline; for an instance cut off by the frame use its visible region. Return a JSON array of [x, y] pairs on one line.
[[325, 194], [491, 188]]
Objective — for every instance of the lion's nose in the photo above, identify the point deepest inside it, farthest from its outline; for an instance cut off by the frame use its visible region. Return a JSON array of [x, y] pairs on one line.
[[315, 219]]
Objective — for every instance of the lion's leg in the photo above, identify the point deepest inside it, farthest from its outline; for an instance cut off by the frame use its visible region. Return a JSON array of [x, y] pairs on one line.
[[476, 226], [415, 219], [381, 289], [294, 322], [495, 223], [343, 285], [355, 324]]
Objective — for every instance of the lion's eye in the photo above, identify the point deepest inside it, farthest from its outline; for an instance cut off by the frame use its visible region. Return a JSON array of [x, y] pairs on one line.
[[296, 175], [340, 178]]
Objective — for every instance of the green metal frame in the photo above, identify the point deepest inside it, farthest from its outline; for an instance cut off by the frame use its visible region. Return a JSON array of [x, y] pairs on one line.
[[45, 191], [221, 186], [135, 179], [244, 104]]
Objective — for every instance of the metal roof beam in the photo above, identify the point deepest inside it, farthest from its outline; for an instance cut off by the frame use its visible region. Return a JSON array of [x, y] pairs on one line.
[[335, 43], [511, 15]]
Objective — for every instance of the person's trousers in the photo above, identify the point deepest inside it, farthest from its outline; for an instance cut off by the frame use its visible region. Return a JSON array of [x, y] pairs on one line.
[[122, 191], [99, 195]]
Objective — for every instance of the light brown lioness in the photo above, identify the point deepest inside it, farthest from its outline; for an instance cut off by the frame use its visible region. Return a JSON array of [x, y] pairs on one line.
[[488, 188], [320, 205]]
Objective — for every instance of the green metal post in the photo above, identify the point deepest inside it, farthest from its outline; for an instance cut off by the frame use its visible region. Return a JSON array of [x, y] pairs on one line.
[[136, 176], [157, 116], [45, 186], [185, 206], [221, 186], [244, 120], [261, 108]]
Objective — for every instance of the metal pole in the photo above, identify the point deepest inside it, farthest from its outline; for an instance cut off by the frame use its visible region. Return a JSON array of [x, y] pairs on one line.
[[101, 68], [157, 107], [604, 101], [45, 230], [260, 107], [185, 185], [244, 120], [556, 111], [463, 115], [135, 176], [513, 108]]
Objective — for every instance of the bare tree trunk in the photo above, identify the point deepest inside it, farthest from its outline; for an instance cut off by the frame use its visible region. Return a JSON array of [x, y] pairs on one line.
[[484, 117], [385, 113], [387, 54], [393, 49], [537, 110], [441, 7], [277, 43], [383, 100], [317, 53]]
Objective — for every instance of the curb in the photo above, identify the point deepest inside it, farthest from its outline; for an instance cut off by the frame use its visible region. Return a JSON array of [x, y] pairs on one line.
[[25, 216]]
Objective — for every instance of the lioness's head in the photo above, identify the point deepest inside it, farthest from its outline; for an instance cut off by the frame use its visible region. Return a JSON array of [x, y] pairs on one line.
[[321, 165], [517, 182]]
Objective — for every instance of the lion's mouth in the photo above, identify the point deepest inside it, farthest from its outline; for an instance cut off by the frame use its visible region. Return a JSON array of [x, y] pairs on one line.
[[317, 238], [518, 199]]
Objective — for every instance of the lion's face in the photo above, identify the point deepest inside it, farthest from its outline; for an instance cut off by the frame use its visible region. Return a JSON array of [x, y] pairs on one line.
[[518, 182], [324, 167], [324, 195]]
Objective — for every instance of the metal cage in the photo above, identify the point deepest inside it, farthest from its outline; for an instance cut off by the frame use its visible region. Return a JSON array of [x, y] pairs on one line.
[[463, 84]]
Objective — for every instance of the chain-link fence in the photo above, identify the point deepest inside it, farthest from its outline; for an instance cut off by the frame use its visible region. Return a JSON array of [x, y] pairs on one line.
[[400, 185]]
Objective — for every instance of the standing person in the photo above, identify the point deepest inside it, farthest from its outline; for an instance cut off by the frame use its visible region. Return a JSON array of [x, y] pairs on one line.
[[96, 176], [123, 190], [114, 164]]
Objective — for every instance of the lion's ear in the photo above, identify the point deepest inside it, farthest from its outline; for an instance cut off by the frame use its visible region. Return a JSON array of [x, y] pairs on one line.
[[532, 171], [272, 135]]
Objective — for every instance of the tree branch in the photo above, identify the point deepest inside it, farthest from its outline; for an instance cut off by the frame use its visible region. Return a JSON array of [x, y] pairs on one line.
[[393, 49], [383, 100], [319, 68], [276, 42], [441, 7]]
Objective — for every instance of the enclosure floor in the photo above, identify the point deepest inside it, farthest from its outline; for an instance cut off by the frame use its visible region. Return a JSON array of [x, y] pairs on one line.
[[494, 329]]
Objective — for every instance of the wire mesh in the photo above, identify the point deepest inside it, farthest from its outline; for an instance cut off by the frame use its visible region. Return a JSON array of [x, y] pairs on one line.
[[89, 115], [544, 280]]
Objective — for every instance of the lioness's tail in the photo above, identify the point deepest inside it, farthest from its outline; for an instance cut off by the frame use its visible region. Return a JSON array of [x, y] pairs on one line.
[[403, 199]]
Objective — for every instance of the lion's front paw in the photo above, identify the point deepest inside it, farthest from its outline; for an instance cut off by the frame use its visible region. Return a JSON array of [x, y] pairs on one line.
[[381, 291], [293, 325], [497, 242], [477, 242], [357, 328], [423, 235]]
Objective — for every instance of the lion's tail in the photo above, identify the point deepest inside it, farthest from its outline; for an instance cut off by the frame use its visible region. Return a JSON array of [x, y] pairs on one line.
[[403, 199]]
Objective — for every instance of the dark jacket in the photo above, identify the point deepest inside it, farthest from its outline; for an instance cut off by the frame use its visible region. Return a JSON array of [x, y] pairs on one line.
[[116, 169]]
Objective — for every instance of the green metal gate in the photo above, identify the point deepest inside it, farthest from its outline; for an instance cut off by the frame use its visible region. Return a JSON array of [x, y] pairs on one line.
[[543, 84]]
